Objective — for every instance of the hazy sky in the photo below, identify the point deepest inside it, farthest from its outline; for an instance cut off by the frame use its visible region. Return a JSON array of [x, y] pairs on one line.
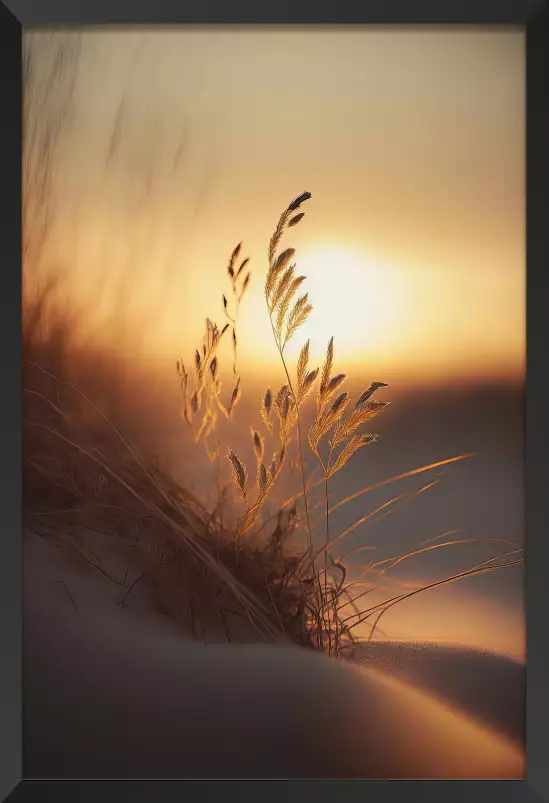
[[182, 142]]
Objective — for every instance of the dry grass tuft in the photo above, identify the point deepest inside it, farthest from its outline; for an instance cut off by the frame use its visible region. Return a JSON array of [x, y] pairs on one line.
[[84, 474]]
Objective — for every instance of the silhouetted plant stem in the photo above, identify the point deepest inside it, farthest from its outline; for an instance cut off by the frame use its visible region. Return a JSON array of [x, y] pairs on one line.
[[320, 638]]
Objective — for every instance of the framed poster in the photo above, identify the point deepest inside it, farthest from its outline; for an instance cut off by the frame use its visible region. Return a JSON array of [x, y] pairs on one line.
[[274, 487]]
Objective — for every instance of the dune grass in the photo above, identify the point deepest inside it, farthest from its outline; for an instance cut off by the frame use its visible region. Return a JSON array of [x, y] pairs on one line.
[[83, 473]]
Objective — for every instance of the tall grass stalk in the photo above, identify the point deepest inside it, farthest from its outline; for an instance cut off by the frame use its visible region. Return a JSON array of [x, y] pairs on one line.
[[287, 591]]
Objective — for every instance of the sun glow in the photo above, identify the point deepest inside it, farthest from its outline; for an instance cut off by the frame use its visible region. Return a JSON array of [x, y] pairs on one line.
[[354, 298]]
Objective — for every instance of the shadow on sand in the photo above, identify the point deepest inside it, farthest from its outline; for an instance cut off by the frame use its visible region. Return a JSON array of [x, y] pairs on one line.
[[491, 688]]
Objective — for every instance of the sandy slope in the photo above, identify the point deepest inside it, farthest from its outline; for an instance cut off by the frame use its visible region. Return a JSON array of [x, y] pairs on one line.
[[490, 688], [118, 692]]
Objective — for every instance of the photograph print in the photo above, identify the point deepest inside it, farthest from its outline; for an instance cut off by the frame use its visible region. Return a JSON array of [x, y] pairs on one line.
[[273, 358]]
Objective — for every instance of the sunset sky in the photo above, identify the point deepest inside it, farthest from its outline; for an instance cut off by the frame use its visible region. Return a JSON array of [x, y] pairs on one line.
[[182, 142]]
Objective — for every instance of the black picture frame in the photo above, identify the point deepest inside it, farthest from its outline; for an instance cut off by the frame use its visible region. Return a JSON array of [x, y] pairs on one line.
[[17, 14]]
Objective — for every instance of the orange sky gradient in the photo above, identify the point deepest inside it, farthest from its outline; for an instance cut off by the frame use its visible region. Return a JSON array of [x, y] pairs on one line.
[[183, 142]]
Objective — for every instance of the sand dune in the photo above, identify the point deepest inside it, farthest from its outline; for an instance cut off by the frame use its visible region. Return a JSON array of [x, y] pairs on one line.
[[112, 692], [473, 681]]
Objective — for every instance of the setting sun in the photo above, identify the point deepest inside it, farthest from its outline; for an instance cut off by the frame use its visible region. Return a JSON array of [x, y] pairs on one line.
[[353, 296]]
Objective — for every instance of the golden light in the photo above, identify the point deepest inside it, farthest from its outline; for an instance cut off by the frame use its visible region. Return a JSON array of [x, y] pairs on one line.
[[355, 299]]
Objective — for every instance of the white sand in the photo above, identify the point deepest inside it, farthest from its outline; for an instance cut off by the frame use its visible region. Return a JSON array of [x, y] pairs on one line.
[[119, 692]]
